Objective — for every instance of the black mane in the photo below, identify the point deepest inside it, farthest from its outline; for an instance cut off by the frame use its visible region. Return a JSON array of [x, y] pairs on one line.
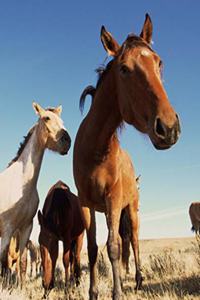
[[22, 146], [91, 90]]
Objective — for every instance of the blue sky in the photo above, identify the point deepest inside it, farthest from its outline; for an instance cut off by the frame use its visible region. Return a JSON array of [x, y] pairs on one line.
[[48, 53]]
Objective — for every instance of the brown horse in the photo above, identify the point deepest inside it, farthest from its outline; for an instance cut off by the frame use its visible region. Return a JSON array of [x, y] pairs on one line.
[[61, 219], [130, 89]]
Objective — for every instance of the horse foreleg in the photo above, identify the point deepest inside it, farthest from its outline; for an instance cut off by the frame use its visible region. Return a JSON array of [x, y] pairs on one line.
[[66, 254], [90, 225], [113, 246], [5, 271], [134, 222], [23, 266], [24, 237], [77, 258], [71, 260], [113, 206], [49, 257]]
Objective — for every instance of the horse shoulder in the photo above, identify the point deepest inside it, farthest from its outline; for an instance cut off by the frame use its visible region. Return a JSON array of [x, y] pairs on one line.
[[129, 186], [11, 186]]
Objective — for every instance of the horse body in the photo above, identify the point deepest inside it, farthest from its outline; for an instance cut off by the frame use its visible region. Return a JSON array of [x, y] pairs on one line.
[[194, 212], [130, 89], [61, 219], [18, 183]]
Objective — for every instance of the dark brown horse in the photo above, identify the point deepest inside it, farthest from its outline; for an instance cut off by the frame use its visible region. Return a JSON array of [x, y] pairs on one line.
[[130, 89], [194, 212], [61, 219]]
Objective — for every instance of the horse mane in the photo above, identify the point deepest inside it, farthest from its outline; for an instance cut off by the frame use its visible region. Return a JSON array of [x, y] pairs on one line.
[[101, 71], [22, 146], [89, 90]]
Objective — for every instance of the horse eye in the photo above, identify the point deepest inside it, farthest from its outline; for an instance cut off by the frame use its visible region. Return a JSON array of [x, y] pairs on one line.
[[124, 70], [46, 119], [160, 64]]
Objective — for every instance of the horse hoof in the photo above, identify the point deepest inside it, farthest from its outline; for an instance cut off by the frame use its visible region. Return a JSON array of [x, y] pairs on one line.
[[139, 283]]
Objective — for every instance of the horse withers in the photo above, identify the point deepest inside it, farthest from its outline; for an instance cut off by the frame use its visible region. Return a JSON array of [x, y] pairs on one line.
[[60, 220], [129, 89]]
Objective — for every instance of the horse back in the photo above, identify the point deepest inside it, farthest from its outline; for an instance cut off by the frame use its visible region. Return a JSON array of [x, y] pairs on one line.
[[62, 213]]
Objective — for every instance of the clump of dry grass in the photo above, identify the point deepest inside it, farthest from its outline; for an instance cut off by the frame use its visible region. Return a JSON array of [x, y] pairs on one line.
[[170, 273], [103, 266], [166, 264]]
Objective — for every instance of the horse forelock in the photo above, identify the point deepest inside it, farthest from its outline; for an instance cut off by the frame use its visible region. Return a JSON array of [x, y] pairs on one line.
[[133, 40], [22, 146]]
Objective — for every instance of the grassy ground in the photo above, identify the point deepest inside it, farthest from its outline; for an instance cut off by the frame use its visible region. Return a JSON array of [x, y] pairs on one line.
[[171, 268]]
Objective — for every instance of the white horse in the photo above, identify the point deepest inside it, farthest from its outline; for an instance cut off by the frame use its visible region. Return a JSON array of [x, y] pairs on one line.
[[18, 183]]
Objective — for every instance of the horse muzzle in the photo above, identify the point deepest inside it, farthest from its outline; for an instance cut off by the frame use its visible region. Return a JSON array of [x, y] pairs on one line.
[[163, 136], [65, 141]]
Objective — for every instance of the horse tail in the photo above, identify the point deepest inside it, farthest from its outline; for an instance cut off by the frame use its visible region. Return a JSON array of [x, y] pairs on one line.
[[89, 90], [125, 233]]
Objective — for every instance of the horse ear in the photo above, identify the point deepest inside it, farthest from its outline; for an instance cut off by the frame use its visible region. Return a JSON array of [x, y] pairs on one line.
[[138, 182], [110, 44], [38, 109], [40, 217], [147, 29], [58, 110], [138, 179]]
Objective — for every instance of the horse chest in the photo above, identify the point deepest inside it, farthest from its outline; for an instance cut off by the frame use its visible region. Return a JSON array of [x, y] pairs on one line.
[[97, 186]]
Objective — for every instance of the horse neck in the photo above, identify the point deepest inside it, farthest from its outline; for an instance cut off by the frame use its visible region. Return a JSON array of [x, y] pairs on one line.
[[31, 158], [104, 117]]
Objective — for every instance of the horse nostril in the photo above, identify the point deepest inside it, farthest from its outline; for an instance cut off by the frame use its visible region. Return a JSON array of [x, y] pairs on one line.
[[160, 128], [66, 138]]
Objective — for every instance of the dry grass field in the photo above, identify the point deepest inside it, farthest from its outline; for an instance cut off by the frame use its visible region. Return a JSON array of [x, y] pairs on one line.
[[171, 268]]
